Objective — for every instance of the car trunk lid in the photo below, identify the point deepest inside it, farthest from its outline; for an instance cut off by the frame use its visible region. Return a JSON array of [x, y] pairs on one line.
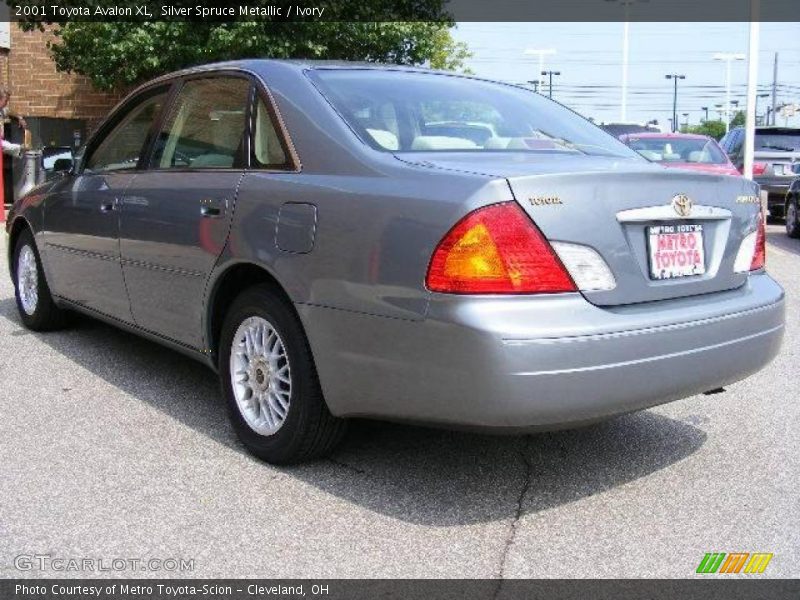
[[611, 204]]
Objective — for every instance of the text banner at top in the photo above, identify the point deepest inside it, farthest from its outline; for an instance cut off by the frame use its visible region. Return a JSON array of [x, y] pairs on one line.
[[408, 10]]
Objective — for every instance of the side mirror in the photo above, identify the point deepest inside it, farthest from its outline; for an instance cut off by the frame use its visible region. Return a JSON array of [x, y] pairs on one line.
[[63, 165]]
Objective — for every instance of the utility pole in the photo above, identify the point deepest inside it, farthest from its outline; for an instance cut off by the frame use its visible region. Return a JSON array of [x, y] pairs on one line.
[[774, 88], [763, 122], [675, 77], [550, 74], [705, 109]]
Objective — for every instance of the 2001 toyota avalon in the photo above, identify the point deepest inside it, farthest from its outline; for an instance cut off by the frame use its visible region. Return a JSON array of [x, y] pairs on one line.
[[330, 240]]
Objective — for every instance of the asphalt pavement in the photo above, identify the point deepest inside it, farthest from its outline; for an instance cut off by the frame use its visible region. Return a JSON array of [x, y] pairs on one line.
[[112, 447]]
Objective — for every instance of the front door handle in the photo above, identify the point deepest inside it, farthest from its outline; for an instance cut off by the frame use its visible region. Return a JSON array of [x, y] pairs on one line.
[[107, 206]]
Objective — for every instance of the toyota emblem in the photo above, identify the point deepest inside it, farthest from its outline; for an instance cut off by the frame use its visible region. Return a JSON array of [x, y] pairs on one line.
[[682, 205]]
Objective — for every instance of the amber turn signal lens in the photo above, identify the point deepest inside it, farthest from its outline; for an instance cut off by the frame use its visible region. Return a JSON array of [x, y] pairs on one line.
[[497, 250]]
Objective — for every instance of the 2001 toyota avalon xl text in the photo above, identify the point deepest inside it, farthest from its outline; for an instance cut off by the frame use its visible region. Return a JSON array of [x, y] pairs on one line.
[[340, 240]]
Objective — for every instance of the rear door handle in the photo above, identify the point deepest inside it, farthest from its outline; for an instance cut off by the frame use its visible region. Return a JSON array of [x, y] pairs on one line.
[[212, 208]]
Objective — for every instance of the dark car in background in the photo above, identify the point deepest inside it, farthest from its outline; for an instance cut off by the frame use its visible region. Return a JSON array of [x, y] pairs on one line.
[[619, 129], [777, 152], [792, 206]]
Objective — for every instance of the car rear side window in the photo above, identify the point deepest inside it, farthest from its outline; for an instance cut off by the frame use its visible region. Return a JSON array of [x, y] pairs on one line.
[[205, 128], [268, 147], [122, 147]]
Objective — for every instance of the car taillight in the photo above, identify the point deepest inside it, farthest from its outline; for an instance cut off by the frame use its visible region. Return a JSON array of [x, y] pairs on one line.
[[759, 168], [496, 250], [752, 253], [760, 253]]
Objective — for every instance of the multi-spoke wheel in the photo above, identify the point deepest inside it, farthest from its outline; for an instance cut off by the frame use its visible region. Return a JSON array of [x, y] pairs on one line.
[[35, 304], [261, 375], [270, 383]]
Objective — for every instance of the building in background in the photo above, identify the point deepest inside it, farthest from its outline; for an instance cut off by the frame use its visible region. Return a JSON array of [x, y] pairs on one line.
[[61, 109]]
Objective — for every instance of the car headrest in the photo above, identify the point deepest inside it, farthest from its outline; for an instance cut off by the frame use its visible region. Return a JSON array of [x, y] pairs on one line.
[[441, 142], [385, 139]]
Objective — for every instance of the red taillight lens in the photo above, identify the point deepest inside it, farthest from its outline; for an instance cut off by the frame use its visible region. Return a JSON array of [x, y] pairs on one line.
[[759, 168], [760, 253], [496, 250]]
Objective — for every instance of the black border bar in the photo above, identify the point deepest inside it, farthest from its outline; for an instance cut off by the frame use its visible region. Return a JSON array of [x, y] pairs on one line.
[[711, 588]]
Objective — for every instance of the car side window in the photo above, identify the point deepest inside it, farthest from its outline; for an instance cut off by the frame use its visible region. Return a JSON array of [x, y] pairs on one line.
[[205, 128], [736, 145], [122, 147], [268, 148]]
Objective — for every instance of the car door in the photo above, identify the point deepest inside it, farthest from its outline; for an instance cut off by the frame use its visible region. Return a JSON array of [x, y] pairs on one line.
[[82, 220], [176, 213]]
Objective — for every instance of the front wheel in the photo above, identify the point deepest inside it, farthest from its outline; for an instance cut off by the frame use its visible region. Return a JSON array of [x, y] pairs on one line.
[[270, 383], [35, 304], [792, 220]]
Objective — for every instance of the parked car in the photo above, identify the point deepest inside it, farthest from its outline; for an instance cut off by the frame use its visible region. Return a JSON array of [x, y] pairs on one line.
[[290, 225], [683, 151], [777, 149], [618, 129], [792, 206]]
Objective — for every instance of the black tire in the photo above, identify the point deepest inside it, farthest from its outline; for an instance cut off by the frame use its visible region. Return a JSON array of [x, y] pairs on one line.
[[309, 430], [792, 219], [45, 316]]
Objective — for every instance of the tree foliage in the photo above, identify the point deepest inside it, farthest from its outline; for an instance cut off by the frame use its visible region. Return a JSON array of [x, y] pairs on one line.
[[714, 129], [117, 55]]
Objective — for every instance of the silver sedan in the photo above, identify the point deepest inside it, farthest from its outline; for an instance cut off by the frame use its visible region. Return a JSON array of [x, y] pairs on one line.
[[342, 240]]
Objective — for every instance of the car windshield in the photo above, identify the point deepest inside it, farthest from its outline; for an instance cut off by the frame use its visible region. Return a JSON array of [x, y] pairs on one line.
[[789, 142], [675, 149], [403, 111]]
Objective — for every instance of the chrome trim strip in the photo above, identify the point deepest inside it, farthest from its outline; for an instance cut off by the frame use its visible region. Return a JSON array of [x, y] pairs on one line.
[[665, 212]]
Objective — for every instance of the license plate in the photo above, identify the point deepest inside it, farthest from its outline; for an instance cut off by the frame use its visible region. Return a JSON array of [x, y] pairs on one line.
[[676, 251]]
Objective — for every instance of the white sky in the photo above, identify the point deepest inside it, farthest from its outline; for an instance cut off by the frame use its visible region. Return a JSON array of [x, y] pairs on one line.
[[590, 54]]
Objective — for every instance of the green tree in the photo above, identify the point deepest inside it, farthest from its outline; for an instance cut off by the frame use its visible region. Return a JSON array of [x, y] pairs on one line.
[[714, 129], [120, 54], [738, 119]]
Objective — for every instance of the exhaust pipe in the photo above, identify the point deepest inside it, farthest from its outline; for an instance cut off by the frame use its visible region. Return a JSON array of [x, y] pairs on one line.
[[718, 390]]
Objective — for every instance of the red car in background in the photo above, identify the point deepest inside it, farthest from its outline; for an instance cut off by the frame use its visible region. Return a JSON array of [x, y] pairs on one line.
[[682, 150]]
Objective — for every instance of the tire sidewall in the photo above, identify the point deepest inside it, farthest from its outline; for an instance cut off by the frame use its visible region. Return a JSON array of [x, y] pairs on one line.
[[284, 443], [792, 224]]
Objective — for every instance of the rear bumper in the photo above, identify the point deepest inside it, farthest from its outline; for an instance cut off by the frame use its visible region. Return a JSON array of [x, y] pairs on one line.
[[542, 362]]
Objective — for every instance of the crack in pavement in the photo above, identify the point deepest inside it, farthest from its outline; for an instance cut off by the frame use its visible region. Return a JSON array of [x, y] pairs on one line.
[[512, 529]]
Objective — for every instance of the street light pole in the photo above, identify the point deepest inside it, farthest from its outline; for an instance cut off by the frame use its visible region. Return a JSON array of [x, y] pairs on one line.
[[705, 108], [541, 53], [675, 77], [728, 57], [686, 120], [550, 74]]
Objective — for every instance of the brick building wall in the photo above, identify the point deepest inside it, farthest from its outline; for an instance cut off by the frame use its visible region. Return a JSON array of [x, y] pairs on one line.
[[38, 90]]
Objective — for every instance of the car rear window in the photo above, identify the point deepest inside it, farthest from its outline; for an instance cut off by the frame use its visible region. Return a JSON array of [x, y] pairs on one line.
[[675, 149], [786, 140], [409, 111]]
